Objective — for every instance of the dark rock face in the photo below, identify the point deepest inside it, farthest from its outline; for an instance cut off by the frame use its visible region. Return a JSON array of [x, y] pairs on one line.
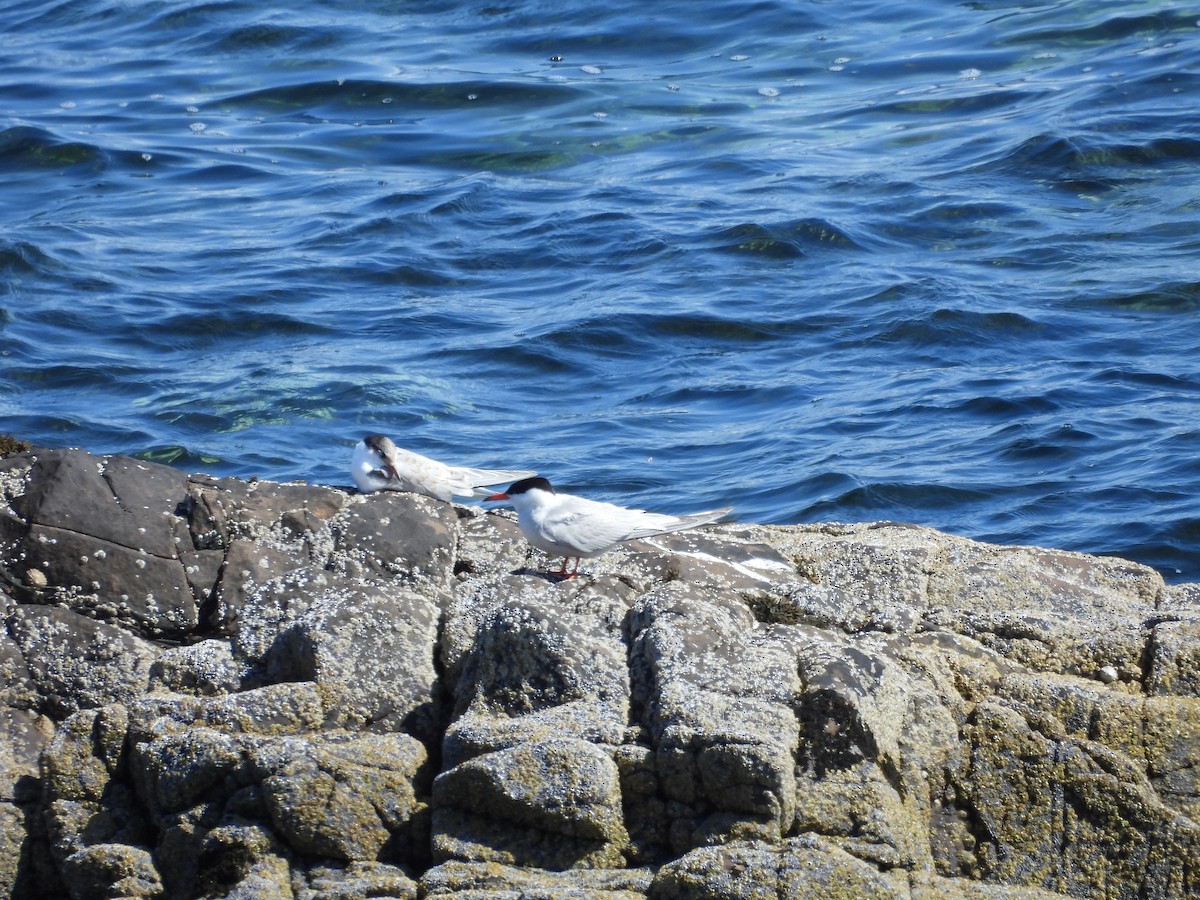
[[102, 539], [218, 688]]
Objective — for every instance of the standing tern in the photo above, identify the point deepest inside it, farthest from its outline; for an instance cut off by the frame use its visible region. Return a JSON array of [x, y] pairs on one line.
[[570, 526], [379, 465]]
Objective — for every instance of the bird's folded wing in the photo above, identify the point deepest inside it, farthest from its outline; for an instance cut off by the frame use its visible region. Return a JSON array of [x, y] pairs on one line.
[[478, 479], [584, 530], [655, 523]]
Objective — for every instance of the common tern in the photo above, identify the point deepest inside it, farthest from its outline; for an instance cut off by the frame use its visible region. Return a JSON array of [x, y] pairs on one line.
[[379, 465], [575, 527]]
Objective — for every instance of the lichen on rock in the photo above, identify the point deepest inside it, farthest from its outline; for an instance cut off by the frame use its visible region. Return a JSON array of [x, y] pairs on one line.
[[225, 688]]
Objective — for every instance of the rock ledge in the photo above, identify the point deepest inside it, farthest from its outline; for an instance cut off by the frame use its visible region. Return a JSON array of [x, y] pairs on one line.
[[221, 688]]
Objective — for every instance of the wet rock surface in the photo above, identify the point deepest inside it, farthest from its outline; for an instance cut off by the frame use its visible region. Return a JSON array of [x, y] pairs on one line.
[[223, 688]]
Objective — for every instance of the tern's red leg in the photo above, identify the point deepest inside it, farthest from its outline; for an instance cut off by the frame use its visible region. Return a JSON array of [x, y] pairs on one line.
[[562, 573]]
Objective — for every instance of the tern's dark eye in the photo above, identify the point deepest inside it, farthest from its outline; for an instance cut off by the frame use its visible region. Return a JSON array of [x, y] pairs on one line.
[[385, 474]]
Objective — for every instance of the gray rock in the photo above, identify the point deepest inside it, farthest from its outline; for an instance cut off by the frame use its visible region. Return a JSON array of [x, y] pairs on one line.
[[396, 534], [16, 684], [102, 535], [111, 870], [206, 668], [489, 544], [718, 697], [199, 766], [24, 858], [547, 661], [12, 532], [180, 770], [254, 599], [309, 693], [1097, 801], [541, 697], [351, 798], [1159, 735], [115, 499], [495, 880], [240, 860], [806, 866], [149, 595], [220, 511], [521, 649], [1062, 612], [868, 578], [278, 709], [13, 838], [99, 837], [78, 663], [1174, 659], [810, 866], [559, 800], [202, 569], [734, 561], [372, 650], [86, 752], [1174, 651], [875, 740], [25, 735], [357, 881]]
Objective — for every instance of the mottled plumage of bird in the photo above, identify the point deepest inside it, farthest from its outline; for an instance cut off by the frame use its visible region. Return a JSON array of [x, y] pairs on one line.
[[379, 465]]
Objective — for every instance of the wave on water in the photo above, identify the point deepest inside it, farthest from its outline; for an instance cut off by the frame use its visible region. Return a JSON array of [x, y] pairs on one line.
[[867, 261]]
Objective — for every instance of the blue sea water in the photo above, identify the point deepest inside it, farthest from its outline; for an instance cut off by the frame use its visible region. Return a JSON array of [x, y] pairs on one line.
[[932, 262]]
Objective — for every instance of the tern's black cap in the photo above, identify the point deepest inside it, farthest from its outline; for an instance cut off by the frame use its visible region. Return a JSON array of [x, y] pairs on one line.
[[529, 484]]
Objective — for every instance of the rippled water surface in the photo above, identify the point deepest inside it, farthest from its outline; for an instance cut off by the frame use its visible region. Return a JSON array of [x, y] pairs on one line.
[[932, 262]]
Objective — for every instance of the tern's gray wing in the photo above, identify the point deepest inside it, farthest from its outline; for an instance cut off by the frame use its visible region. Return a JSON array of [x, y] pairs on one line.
[[587, 526], [472, 482], [656, 523], [591, 526], [432, 478]]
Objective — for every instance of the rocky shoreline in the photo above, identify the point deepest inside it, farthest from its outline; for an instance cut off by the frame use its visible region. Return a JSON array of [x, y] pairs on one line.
[[225, 688]]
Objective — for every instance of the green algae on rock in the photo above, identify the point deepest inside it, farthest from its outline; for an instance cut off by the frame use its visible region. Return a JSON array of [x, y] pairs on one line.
[[338, 695]]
